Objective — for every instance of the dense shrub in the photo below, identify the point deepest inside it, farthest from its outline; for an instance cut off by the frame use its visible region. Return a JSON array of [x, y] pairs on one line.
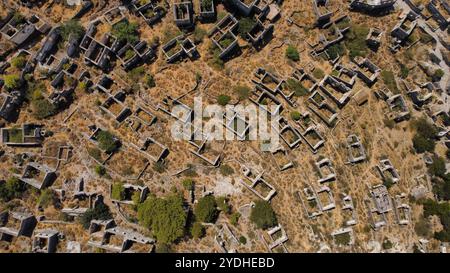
[[295, 115], [262, 215], [197, 230], [199, 35], [234, 218], [442, 210], [12, 188], [292, 53], [424, 139], [205, 210], [356, 41], [46, 198], [318, 73], [118, 191], [296, 87], [100, 170], [226, 170], [126, 31], [12, 81], [150, 81], [438, 74], [437, 168], [19, 61], [245, 25], [165, 217], [106, 141]]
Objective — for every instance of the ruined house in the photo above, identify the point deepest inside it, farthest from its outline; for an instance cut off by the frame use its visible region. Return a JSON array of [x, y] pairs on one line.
[[379, 204], [112, 238], [15, 224], [45, 241], [355, 149], [178, 48], [183, 13], [129, 192], [366, 70], [28, 135], [37, 175], [223, 35]]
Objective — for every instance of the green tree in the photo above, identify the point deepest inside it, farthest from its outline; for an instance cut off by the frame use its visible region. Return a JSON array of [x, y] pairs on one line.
[[422, 227], [72, 28], [442, 210], [437, 168], [126, 31], [226, 170], [426, 132], [106, 141], [425, 128], [206, 4], [136, 74], [159, 167], [197, 230], [100, 212], [42, 108], [295, 115], [205, 210], [342, 239], [223, 99], [438, 74], [388, 182], [19, 18], [441, 187], [165, 217], [336, 50], [296, 87], [292, 53], [150, 81], [245, 26], [136, 198], [262, 215], [404, 71]]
